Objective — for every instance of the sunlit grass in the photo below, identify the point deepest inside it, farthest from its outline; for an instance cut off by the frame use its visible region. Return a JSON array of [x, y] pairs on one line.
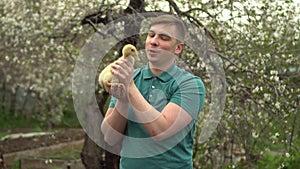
[[8, 121], [73, 153]]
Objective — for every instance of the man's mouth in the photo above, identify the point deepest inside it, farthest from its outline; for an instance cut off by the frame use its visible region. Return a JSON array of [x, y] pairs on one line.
[[152, 51]]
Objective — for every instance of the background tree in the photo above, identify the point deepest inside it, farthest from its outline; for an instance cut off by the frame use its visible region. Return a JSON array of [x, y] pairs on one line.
[[37, 57]]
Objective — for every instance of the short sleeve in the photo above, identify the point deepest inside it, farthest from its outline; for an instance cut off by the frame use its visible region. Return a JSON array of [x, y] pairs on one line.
[[190, 95]]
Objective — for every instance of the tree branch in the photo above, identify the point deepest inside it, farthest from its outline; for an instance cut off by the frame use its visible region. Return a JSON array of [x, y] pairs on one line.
[[135, 6], [191, 18], [95, 18], [199, 9], [95, 28]]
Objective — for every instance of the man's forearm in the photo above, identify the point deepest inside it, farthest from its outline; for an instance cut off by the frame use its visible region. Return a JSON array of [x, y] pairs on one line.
[[114, 123], [153, 121], [143, 110], [160, 125]]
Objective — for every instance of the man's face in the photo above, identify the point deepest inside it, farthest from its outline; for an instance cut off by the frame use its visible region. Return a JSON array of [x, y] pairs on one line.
[[162, 45]]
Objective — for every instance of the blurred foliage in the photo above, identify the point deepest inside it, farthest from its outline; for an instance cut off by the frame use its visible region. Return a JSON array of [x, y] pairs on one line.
[[285, 160], [258, 42], [8, 121]]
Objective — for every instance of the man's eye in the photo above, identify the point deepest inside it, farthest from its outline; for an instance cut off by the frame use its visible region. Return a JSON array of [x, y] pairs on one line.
[[151, 34], [165, 37]]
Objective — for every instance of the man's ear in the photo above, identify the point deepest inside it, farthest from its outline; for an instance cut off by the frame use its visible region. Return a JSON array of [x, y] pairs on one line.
[[179, 48]]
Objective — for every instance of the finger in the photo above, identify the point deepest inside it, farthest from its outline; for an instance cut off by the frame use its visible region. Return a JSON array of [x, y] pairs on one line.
[[129, 64], [124, 63], [121, 72], [115, 66], [119, 69], [115, 72], [120, 62]]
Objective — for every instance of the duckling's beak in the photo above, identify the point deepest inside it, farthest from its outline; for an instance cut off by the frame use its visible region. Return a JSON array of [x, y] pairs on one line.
[[136, 56]]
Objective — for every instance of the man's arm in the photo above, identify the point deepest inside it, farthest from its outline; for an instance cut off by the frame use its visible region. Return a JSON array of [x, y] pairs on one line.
[[114, 122], [160, 125]]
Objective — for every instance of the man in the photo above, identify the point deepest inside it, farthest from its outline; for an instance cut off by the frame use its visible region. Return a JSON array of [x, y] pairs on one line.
[[154, 109]]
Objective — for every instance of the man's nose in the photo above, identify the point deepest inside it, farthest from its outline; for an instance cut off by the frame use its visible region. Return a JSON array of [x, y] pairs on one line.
[[154, 41]]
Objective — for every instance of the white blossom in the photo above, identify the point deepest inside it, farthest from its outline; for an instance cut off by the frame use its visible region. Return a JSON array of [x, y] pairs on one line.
[[267, 96], [255, 90], [255, 134], [277, 105]]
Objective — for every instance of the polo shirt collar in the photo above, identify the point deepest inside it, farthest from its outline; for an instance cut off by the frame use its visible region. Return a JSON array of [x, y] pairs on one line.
[[164, 76]]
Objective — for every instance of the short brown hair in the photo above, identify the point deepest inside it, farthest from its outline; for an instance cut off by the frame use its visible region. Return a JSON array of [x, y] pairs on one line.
[[171, 20]]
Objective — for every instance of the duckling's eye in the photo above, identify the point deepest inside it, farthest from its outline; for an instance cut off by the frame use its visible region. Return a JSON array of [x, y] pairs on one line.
[[132, 50]]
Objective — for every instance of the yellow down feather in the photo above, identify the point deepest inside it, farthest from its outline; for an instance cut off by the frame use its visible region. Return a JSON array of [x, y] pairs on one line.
[[106, 77]]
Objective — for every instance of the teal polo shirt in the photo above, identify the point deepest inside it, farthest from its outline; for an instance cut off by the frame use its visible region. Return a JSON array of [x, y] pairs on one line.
[[174, 85]]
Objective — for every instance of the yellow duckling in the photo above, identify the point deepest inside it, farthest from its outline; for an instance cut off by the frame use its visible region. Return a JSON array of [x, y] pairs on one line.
[[106, 78]]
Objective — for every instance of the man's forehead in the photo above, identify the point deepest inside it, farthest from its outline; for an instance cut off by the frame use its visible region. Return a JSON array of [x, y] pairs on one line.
[[164, 29]]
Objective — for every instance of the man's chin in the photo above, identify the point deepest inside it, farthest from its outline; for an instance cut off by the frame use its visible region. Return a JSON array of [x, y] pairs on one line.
[[153, 58]]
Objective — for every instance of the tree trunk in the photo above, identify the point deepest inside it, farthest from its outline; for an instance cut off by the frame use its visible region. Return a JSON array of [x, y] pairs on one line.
[[112, 161], [1, 161], [13, 102], [93, 156]]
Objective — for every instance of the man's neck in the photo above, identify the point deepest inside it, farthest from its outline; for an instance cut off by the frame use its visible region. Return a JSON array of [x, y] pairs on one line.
[[158, 69]]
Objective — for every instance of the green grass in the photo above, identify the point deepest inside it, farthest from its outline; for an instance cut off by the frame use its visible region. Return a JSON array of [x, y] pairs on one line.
[[2, 134], [270, 161], [73, 153], [70, 120], [8, 121]]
